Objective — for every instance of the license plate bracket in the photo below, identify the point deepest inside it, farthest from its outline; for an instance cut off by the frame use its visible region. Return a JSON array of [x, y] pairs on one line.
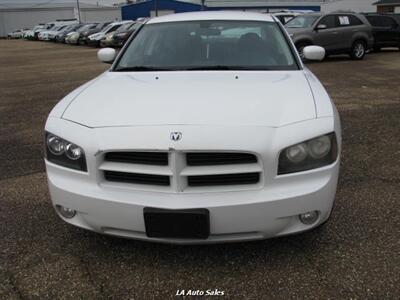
[[184, 224]]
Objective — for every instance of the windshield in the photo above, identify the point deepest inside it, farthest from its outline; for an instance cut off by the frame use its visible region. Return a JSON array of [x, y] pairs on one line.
[[70, 28], [56, 28], [85, 28], [208, 45], [302, 22], [124, 27], [107, 28]]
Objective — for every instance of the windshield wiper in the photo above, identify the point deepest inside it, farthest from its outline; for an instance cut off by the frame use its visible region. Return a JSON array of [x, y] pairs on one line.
[[213, 68], [227, 68], [141, 69]]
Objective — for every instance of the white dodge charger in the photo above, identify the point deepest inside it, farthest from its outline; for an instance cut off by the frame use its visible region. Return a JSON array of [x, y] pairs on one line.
[[207, 128]]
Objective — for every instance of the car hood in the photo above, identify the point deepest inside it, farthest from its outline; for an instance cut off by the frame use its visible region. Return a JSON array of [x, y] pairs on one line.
[[261, 98], [298, 30]]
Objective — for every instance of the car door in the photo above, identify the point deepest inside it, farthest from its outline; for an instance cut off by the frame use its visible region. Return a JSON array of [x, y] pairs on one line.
[[348, 25], [377, 28], [390, 31], [386, 31], [327, 37]]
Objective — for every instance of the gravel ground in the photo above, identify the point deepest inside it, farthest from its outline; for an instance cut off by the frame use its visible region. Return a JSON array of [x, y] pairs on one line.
[[354, 256]]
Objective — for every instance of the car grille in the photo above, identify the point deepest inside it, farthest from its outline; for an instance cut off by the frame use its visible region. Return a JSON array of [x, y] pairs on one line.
[[146, 158], [177, 171], [209, 159], [228, 179], [137, 178]]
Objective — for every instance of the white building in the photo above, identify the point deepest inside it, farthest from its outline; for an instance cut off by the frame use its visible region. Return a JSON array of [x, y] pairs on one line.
[[349, 5], [15, 16]]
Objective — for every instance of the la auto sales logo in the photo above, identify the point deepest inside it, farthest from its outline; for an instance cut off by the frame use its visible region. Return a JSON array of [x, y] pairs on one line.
[[209, 292]]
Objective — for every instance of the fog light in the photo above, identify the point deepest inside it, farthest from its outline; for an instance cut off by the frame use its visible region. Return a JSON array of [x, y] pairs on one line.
[[309, 218], [66, 212]]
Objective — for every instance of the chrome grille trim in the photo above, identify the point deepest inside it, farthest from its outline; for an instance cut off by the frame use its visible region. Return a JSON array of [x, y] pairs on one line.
[[177, 176]]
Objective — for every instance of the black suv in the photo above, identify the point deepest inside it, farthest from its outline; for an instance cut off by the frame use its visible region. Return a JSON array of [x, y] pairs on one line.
[[386, 30]]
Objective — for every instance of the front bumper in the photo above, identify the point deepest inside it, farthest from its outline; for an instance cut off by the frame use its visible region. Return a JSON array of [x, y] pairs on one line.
[[70, 40], [93, 43], [82, 40], [267, 211]]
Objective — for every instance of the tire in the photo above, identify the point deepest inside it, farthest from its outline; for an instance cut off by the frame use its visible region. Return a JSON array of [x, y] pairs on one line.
[[300, 46], [358, 50]]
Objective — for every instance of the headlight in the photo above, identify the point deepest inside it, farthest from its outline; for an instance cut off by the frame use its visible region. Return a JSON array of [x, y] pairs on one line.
[[64, 153], [311, 154]]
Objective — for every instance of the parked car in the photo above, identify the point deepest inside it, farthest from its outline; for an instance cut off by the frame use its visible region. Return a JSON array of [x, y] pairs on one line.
[[107, 40], [285, 17], [94, 39], [89, 30], [74, 36], [338, 33], [124, 32], [60, 36], [386, 30], [197, 135], [17, 34], [48, 35], [30, 34], [51, 25]]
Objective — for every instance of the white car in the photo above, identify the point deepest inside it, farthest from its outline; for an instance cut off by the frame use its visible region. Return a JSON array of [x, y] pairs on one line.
[[197, 135], [48, 35], [17, 34], [30, 34]]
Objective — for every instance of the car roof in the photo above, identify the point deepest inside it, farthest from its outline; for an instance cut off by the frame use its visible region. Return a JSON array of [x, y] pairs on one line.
[[213, 15]]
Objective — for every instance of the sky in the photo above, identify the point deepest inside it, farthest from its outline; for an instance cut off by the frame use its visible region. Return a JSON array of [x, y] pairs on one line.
[[38, 2], [4, 3]]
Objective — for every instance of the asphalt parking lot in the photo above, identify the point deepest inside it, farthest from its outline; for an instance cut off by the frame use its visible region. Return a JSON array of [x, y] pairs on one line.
[[356, 255]]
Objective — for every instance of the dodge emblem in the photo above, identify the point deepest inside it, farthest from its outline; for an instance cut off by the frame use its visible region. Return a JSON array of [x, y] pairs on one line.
[[176, 136]]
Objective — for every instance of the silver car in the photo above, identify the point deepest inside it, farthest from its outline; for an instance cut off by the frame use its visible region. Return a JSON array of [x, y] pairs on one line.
[[338, 33]]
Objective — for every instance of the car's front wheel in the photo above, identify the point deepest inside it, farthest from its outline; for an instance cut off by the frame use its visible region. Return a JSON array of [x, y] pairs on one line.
[[358, 50], [300, 48]]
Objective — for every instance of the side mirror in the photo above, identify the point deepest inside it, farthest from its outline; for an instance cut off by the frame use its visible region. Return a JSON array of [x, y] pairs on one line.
[[106, 55], [314, 53], [321, 27]]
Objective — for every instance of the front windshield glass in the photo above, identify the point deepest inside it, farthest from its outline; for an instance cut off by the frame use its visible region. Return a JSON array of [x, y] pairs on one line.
[[302, 22], [124, 27], [85, 28], [107, 28], [57, 28], [208, 45]]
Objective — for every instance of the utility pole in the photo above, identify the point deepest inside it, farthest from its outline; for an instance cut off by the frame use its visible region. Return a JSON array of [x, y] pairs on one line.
[[202, 4], [78, 11], [156, 7]]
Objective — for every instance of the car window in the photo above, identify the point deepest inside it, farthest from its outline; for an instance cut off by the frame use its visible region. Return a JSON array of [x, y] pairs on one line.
[[301, 22], [355, 21], [381, 21], [328, 21], [113, 28], [135, 26], [373, 20], [60, 28], [124, 27], [343, 20], [209, 45], [387, 22], [236, 33]]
